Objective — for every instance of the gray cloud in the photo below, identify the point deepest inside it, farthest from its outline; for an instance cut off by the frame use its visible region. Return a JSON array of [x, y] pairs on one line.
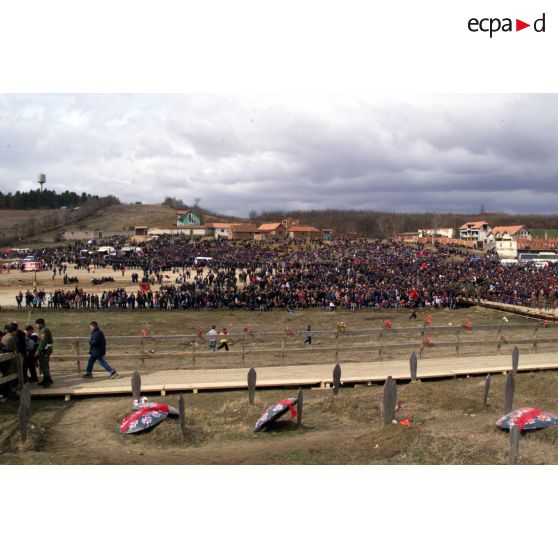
[[238, 153]]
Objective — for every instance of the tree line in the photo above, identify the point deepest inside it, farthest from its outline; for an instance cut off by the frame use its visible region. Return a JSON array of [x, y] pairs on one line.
[[375, 224], [43, 199]]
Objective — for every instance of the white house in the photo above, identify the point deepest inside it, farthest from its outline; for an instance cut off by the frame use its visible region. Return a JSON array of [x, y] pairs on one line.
[[513, 232], [446, 233], [506, 240], [221, 230], [477, 231]]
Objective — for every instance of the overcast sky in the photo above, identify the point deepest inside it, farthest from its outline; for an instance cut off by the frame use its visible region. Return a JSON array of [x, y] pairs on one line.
[[238, 153]]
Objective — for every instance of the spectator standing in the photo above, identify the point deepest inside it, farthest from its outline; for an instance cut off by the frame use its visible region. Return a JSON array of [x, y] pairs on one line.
[[97, 352], [7, 389], [309, 334], [212, 338], [44, 351], [29, 361]]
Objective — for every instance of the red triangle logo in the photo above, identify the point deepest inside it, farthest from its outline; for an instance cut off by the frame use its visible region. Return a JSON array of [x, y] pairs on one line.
[[519, 25]]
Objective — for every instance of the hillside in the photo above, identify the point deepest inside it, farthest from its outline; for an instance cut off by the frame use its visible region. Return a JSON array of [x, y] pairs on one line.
[[17, 222], [125, 217], [113, 218], [19, 226]]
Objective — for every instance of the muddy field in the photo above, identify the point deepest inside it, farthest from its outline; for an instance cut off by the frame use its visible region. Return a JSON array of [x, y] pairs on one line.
[[448, 425]]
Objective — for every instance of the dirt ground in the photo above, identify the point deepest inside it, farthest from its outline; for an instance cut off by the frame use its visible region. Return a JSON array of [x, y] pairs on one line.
[[448, 425]]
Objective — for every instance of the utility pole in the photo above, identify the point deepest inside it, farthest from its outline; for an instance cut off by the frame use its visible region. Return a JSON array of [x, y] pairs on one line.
[[41, 179]]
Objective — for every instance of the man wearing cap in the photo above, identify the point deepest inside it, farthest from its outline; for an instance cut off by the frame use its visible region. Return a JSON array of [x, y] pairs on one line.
[[19, 336], [43, 352]]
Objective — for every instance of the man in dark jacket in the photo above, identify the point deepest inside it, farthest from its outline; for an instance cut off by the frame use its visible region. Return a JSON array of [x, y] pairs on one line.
[[97, 352], [29, 361], [18, 335], [7, 345]]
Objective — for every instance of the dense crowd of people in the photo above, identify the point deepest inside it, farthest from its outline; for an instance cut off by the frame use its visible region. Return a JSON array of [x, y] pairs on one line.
[[34, 346], [290, 274]]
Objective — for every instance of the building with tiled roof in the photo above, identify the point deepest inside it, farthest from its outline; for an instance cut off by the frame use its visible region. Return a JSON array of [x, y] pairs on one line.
[[303, 232], [270, 231], [476, 231], [514, 232]]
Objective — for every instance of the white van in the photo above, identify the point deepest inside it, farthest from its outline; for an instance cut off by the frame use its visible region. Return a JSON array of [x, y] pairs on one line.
[[127, 249], [202, 260], [107, 250]]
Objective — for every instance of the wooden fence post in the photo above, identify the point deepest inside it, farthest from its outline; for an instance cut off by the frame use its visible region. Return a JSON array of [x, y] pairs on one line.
[[457, 336], [421, 350], [283, 350], [24, 411], [336, 379], [510, 390], [499, 345], [336, 346], [413, 365], [19, 371], [182, 415], [535, 339], [78, 362], [486, 390], [194, 353], [515, 433], [299, 404], [380, 337], [136, 385], [390, 400], [515, 360], [142, 354], [243, 349], [251, 385]]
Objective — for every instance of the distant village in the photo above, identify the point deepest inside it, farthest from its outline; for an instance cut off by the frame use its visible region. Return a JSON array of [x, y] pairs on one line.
[[189, 224], [510, 242]]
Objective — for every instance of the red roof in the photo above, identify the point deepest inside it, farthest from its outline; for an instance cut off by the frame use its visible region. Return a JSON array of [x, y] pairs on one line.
[[511, 229], [300, 228], [269, 226], [244, 227], [474, 224], [220, 225]]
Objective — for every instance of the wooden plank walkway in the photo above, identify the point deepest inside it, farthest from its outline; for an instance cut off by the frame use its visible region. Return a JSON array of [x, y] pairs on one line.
[[319, 375], [535, 313]]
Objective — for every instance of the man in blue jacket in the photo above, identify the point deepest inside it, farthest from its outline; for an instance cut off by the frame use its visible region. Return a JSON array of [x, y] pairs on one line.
[[97, 352]]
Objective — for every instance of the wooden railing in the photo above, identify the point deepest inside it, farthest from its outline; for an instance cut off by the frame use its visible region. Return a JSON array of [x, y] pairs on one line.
[[376, 342], [17, 371]]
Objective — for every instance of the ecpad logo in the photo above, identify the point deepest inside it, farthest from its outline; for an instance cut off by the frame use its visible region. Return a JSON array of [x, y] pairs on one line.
[[493, 25]]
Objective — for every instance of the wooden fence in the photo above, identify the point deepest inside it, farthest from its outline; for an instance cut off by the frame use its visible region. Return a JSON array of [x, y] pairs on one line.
[[16, 372], [336, 346]]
